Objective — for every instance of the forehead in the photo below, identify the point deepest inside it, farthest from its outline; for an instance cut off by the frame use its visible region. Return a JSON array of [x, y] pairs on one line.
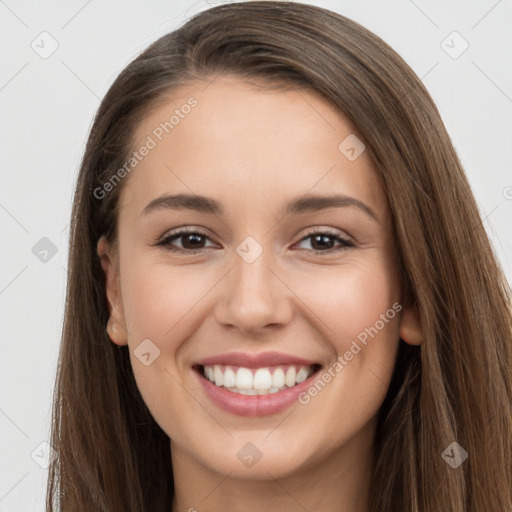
[[247, 144]]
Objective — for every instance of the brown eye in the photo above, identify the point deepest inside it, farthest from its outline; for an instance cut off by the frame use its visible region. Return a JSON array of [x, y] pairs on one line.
[[192, 241], [323, 241]]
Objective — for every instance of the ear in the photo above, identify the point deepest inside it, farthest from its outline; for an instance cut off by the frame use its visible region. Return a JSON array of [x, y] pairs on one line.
[[116, 327], [411, 330]]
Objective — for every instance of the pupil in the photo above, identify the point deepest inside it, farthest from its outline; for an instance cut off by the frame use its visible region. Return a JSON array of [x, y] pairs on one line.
[[320, 237], [193, 236]]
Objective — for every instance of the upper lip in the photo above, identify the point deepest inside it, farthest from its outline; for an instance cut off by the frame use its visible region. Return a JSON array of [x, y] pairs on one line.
[[260, 360]]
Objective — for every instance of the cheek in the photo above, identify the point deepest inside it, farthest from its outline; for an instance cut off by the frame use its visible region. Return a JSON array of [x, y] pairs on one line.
[[158, 301], [359, 311], [158, 304], [348, 299], [164, 305]]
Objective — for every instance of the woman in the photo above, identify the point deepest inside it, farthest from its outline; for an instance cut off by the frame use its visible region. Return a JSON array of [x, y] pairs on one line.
[[215, 356]]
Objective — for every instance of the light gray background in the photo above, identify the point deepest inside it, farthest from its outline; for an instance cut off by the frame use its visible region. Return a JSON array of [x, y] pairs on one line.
[[47, 106]]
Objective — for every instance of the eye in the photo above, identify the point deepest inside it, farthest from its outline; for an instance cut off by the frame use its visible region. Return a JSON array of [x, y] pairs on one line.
[[192, 241], [320, 238]]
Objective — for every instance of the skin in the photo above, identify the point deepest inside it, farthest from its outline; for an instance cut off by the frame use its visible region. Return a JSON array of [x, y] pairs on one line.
[[253, 150]]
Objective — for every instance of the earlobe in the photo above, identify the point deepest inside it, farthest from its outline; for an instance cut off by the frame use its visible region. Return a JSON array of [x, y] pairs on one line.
[[117, 333], [116, 326], [411, 330]]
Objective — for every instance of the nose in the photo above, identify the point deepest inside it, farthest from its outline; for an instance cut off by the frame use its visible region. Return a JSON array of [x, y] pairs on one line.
[[254, 296]]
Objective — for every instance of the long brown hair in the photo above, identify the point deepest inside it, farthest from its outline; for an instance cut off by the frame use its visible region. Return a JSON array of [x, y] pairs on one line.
[[111, 454]]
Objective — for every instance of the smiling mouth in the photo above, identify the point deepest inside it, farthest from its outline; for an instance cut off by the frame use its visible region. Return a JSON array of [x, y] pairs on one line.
[[257, 381]]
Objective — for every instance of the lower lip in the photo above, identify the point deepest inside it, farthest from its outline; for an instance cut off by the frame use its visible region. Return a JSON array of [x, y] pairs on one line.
[[253, 405]]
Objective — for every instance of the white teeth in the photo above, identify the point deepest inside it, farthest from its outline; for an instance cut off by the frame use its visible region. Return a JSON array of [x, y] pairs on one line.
[[229, 378], [290, 377], [264, 381], [244, 391], [256, 391], [219, 376], [278, 378], [301, 376], [243, 378]]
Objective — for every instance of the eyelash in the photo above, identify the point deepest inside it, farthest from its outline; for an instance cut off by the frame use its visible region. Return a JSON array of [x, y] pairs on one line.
[[166, 240]]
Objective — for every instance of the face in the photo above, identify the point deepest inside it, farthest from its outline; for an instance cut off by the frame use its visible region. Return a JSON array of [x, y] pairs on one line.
[[253, 293]]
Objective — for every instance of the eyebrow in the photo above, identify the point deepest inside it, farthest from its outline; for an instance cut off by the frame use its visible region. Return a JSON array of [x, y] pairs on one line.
[[303, 204]]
